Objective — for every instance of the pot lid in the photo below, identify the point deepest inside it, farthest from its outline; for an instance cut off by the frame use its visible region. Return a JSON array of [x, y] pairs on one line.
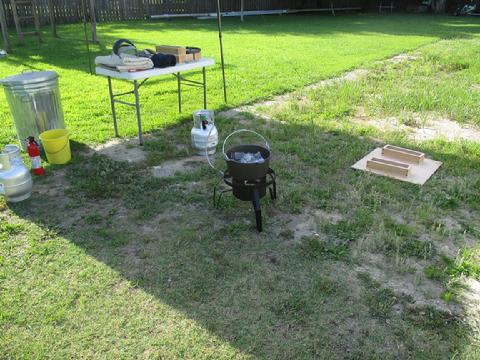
[[29, 78]]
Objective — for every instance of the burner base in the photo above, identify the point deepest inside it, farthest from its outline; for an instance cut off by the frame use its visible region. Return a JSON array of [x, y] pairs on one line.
[[251, 190]]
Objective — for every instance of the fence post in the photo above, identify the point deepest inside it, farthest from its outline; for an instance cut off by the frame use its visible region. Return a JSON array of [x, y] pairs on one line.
[[3, 23], [124, 9], [51, 15], [93, 19], [146, 8], [242, 8]]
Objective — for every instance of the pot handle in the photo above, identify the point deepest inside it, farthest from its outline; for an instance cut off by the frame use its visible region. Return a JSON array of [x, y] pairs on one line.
[[208, 157], [242, 131]]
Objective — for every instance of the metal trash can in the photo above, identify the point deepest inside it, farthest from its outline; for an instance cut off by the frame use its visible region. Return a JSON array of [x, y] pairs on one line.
[[34, 100]]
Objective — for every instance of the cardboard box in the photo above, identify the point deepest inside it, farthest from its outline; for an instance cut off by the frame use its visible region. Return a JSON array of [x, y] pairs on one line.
[[180, 58], [180, 52], [173, 50]]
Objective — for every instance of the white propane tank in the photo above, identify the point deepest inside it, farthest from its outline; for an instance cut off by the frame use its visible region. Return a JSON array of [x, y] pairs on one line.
[[204, 133]]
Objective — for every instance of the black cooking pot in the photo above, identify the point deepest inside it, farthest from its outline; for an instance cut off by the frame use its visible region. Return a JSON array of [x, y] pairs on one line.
[[247, 171]]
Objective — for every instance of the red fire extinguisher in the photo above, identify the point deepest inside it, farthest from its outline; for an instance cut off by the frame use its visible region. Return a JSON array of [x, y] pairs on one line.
[[34, 152]]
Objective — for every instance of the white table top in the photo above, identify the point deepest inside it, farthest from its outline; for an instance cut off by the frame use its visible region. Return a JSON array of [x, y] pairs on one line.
[[140, 75]]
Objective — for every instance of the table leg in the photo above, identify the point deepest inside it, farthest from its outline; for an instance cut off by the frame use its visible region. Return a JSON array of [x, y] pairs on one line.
[[137, 107], [204, 88], [112, 104], [179, 80]]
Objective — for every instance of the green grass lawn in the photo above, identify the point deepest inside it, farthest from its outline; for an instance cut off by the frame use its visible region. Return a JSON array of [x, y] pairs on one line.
[[264, 56], [107, 262]]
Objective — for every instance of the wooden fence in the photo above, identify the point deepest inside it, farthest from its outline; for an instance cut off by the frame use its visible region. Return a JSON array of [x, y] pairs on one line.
[[70, 11]]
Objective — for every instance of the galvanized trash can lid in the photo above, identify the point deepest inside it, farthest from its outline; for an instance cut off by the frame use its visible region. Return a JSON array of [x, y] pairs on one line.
[[29, 78]]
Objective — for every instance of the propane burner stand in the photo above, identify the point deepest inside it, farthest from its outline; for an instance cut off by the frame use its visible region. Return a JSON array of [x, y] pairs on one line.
[[249, 190]]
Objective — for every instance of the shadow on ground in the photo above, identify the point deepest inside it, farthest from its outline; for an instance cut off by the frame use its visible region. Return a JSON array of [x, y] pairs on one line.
[[293, 25], [269, 295]]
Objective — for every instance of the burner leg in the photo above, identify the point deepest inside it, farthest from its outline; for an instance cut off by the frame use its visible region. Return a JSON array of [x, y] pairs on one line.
[[273, 192], [258, 210]]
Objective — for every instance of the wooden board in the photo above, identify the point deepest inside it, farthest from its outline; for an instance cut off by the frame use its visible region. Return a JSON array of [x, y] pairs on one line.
[[402, 154], [389, 166], [419, 173]]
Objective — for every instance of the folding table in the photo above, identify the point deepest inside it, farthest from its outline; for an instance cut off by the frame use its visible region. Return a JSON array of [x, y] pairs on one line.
[[144, 75]]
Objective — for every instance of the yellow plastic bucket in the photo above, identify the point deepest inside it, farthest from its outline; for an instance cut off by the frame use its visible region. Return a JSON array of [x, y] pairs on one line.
[[56, 144]]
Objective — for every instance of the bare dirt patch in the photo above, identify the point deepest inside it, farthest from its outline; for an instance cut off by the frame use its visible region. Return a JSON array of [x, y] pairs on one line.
[[404, 279], [53, 192], [472, 295], [53, 185], [131, 251], [350, 76], [422, 129], [422, 291], [471, 306], [417, 129], [308, 224], [172, 167], [401, 58], [155, 227], [128, 150], [446, 129], [271, 257]]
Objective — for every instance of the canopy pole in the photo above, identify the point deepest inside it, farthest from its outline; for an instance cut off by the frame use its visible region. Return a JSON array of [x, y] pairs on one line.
[[219, 17], [84, 9]]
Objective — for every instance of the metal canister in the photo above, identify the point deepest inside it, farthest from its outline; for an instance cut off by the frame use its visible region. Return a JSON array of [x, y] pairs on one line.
[[15, 178], [34, 100], [14, 152]]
